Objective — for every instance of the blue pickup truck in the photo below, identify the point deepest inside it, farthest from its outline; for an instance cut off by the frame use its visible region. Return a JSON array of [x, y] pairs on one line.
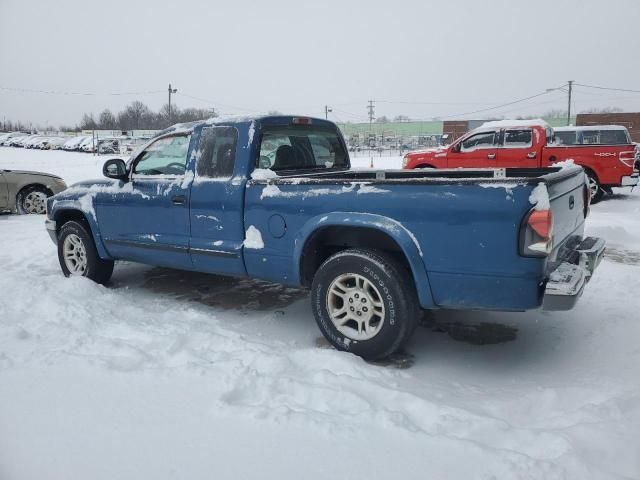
[[274, 198]]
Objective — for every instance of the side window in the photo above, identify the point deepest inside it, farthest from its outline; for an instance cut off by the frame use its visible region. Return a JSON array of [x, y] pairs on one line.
[[566, 138], [518, 138], [614, 137], [479, 140], [216, 152], [166, 156]]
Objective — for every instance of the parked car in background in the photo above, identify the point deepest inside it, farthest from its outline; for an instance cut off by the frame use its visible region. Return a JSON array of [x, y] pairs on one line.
[[31, 141], [531, 144], [18, 141], [7, 138], [73, 143], [87, 145], [27, 192], [108, 146], [56, 143]]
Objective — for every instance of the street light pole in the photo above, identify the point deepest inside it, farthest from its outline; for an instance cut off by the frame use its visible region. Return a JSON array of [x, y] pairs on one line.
[[326, 112], [569, 104], [171, 90]]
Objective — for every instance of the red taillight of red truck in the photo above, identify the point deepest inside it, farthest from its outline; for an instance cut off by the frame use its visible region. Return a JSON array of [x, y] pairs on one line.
[[628, 157]]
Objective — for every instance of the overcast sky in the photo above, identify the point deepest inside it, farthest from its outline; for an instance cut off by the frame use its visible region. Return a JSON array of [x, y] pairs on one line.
[[420, 58]]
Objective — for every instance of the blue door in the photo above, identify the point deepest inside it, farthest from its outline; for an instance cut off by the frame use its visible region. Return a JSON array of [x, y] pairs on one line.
[[147, 219], [217, 203]]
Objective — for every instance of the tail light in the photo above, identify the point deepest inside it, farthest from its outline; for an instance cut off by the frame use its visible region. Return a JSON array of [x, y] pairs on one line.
[[628, 157], [536, 233], [405, 160]]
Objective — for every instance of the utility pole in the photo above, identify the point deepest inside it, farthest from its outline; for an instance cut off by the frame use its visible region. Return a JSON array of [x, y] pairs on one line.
[[171, 90], [569, 104], [371, 109], [326, 112]]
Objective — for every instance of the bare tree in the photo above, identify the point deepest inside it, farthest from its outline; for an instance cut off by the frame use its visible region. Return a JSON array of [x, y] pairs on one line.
[[603, 110], [106, 120], [88, 122]]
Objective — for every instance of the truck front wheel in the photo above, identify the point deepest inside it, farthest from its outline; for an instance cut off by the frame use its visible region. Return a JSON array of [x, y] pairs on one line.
[[78, 255], [365, 302]]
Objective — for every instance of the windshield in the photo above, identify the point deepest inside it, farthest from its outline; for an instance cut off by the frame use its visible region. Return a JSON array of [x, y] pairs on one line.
[[301, 148]]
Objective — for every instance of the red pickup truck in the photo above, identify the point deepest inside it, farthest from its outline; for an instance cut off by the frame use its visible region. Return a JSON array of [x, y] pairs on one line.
[[532, 144]]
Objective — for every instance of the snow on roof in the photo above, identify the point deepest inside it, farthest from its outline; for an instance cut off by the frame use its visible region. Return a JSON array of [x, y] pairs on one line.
[[589, 127], [535, 122]]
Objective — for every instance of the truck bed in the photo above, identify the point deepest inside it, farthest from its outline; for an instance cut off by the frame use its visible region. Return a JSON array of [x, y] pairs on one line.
[[465, 223]]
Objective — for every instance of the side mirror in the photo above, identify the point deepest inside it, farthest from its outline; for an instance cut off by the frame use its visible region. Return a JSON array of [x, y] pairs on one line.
[[456, 147], [116, 169]]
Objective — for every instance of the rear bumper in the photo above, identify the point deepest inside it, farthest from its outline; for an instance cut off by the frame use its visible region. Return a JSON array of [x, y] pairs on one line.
[[566, 283], [50, 225], [629, 180]]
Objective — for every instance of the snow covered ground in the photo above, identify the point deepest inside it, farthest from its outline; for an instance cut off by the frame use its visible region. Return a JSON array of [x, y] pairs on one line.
[[173, 375]]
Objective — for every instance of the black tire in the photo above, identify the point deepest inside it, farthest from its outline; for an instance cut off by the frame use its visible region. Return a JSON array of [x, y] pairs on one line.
[[597, 192], [28, 200], [394, 288], [96, 269]]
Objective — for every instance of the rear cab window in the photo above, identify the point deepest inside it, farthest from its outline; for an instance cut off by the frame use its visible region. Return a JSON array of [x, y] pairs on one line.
[[301, 148]]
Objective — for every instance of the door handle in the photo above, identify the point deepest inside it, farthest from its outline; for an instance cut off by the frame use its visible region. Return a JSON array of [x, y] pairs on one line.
[[178, 200], [491, 155], [531, 155]]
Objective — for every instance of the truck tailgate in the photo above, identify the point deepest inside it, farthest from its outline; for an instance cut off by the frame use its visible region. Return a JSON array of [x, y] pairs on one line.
[[568, 197]]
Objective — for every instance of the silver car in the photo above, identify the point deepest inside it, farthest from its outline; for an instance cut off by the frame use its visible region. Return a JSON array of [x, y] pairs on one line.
[[27, 192]]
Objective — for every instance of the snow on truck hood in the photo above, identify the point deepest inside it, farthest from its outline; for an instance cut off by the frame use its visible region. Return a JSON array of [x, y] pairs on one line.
[[430, 150]]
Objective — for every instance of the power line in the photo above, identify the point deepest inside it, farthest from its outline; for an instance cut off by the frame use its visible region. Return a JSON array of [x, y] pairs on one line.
[[213, 103], [496, 107], [55, 92], [607, 88], [406, 102]]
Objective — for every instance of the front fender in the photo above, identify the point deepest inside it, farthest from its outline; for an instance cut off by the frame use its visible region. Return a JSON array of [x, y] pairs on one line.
[[85, 206], [394, 229]]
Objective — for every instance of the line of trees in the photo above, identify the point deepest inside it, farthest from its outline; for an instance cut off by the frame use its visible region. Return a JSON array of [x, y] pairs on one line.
[[135, 116], [138, 116]]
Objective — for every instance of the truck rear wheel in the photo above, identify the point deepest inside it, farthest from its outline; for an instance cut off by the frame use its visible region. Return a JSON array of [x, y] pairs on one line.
[[364, 302], [78, 255], [597, 192]]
